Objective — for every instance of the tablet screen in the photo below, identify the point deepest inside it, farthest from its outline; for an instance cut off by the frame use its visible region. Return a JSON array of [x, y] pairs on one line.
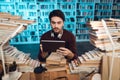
[[52, 45]]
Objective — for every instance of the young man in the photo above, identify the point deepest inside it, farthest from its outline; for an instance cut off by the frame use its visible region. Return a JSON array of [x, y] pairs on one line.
[[57, 19]]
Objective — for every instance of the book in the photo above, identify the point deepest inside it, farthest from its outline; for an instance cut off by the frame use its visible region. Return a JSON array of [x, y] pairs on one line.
[[56, 68], [56, 59]]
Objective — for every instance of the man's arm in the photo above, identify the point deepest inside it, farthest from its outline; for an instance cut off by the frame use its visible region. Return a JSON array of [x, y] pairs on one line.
[[42, 55]]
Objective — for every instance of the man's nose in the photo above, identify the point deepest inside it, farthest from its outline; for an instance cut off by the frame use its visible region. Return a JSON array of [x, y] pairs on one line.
[[56, 25]]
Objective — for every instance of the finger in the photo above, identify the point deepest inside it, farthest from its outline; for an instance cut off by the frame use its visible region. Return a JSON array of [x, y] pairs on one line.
[[65, 54], [58, 50], [41, 47], [63, 49]]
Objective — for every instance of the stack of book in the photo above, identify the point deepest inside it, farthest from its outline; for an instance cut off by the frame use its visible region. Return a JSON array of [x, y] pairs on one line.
[[55, 62], [23, 60], [99, 37], [87, 62], [13, 54], [10, 26]]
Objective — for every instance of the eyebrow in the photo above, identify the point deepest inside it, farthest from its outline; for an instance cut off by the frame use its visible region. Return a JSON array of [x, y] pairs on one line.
[[56, 22]]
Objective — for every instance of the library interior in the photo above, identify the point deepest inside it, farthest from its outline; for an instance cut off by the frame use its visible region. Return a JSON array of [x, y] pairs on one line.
[[94, 23]]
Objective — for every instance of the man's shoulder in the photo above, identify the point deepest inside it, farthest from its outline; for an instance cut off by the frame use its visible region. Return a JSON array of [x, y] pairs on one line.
[[46, 33]]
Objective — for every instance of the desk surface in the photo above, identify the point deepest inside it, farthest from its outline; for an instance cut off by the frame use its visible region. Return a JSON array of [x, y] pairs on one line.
[[50, 76]]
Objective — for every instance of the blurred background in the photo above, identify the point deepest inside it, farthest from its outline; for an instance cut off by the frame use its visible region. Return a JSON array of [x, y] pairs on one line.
[[77, 12]]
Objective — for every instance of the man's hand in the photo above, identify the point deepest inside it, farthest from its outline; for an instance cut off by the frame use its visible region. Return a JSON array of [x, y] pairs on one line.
[[65, 52], [43, 54]]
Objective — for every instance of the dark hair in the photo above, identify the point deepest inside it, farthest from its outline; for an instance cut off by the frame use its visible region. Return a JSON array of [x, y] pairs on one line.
[[57, 13]]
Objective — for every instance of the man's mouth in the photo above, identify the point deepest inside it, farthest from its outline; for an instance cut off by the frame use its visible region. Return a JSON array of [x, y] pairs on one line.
[[55, 29]]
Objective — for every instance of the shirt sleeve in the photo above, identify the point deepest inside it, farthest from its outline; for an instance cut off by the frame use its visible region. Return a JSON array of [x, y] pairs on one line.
[[40, 57], [73, 47]]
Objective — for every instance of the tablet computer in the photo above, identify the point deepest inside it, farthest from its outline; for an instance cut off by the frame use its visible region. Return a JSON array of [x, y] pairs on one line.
[[52, 45]]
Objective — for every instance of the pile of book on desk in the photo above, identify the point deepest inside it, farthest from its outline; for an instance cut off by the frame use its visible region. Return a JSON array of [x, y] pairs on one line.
[[10, 26], [93, 60], [23, 60], [99, 37], [105, 36], [55, 62], [87, 62]]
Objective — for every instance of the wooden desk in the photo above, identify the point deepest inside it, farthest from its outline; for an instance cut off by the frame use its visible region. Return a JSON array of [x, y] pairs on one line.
[[49, 76]]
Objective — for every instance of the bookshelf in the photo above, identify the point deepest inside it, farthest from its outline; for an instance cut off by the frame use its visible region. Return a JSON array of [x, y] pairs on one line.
[[77, 13], [84, 13], [103, 10], [7, 7], [116, 10], [69, 9]]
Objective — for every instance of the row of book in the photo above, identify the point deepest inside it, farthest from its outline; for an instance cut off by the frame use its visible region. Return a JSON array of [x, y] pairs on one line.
[[23, 60], [95, 61], [87, 62]]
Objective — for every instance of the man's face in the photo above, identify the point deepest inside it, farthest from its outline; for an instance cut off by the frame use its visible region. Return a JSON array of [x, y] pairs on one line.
[[57, 24]]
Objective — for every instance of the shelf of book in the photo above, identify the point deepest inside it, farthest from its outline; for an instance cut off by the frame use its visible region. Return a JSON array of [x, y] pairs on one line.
[[77, 13]]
